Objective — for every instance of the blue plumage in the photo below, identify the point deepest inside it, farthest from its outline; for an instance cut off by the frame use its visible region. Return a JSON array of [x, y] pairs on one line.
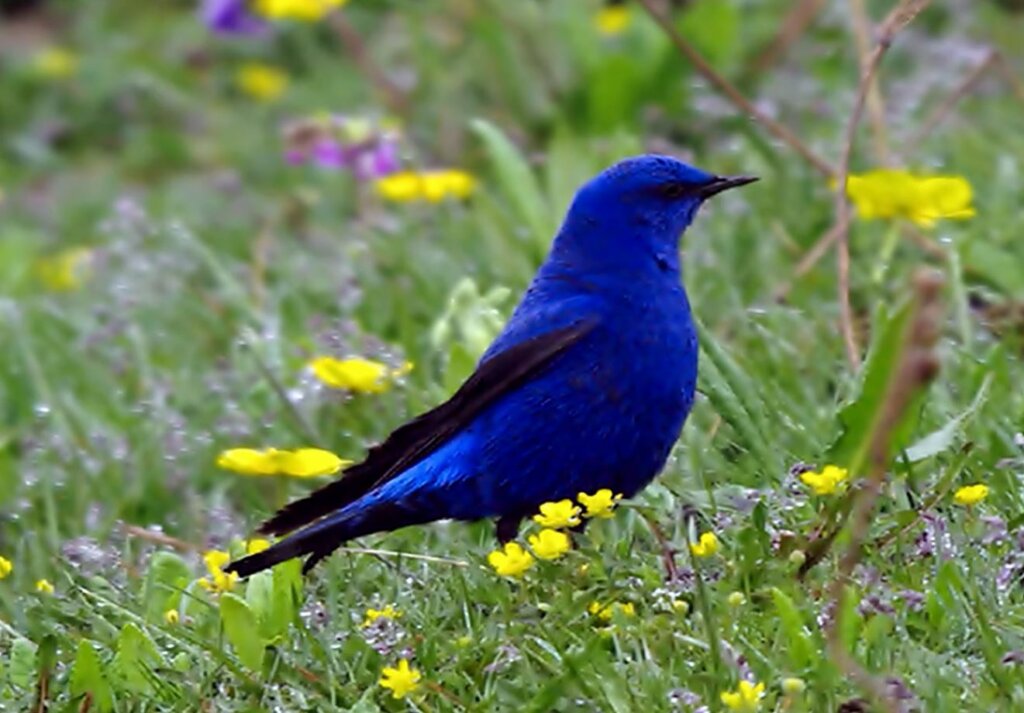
[[587, 387]]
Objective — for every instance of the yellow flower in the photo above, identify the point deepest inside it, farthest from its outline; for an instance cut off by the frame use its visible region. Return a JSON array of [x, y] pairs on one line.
[[55, 63], [510, 561], [745, 699], [612, 19], [558, 515], [300, 463], [218, 580], [171, 617], [680, 606], [43, 586], [827, 482], [256, 545], [301, 10], [6, 566], [401, 681], [971, 494], [432, 186], [363, 376], [736, 599], [600, 504], [793, 686], [706, 546], [549, 544], [892, 193], [605, 612], [261, 81], [388, 612], [65, 271]]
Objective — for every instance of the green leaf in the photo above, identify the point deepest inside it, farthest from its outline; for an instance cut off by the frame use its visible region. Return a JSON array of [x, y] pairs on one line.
[[801, 648], [21, 668], [943, 439], [737, 400], [135, 658], [517, 181], [712, 26], [287, 596], [242, 630], [858, 417], [166, 577], [87, 678]]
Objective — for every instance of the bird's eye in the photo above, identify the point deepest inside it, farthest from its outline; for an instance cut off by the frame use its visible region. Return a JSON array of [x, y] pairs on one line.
[[674, 190]]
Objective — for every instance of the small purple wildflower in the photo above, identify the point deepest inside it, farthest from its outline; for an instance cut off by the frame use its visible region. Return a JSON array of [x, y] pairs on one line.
[[231, 17], [912, 598], [339, 143], [1013, 658]]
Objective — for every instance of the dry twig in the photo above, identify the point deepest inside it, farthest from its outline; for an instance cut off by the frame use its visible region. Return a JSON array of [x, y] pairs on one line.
[[392, 94], [900, 16], [733, 94], [917, 366]]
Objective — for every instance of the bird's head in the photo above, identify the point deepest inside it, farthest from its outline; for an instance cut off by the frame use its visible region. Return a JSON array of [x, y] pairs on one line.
[[636, 211]]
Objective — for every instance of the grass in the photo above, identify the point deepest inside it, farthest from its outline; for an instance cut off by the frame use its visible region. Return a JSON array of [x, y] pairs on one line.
[[215, 271]]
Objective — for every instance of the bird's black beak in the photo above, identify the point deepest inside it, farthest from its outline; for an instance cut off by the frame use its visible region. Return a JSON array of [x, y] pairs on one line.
[[724, 183]]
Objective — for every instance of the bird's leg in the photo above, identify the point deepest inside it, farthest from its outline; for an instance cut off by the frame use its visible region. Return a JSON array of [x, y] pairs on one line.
[[507, 528], [668, 553]]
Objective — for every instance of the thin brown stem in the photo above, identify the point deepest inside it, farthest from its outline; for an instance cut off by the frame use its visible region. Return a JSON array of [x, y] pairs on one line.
[[901, 15], [875, 103], [792, 28], [1011, 78], [811, 258], [158, 538], [392, 94], [732, 93], [917, 366], [939, 114]]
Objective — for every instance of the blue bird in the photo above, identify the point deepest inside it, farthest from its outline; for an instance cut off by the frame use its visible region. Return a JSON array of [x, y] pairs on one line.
[[587, 386]]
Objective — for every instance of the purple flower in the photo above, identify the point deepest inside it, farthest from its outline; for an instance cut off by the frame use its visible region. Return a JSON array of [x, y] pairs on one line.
[[231, 17], [328, 153]]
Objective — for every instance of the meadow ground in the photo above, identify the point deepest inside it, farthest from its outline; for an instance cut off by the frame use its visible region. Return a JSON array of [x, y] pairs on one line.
[[189, 217]]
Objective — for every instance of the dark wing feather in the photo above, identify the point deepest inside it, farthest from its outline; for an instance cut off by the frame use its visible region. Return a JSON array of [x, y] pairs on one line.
[[421, 436]]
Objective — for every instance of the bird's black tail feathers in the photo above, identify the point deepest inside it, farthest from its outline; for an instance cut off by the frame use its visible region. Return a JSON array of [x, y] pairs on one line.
[[322, 538]]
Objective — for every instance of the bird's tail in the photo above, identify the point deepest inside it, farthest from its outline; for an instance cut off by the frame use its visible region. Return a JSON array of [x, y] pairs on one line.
[[324, 536]]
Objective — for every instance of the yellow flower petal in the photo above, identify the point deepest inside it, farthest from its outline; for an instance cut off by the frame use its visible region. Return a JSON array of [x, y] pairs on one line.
[[971, 494], [43, 586], [311, 462], [250, 461], [558, 515], [356, 374], [827, 482], [401, 680], [550, 544], [510, 561], [261, 81], [6, 567], [600, 504], [612, 19], [706, 546]]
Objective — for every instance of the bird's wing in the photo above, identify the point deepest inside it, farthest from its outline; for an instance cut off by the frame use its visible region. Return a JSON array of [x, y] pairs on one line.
[[494, 377]]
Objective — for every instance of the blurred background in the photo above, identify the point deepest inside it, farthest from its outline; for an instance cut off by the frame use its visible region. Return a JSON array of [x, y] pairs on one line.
[[198, 198]]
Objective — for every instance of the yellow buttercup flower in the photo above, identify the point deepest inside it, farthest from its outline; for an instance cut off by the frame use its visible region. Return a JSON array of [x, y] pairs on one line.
[[924, 200], [736, 599], [65, 271], [6, 567], [171, 617], [299, 463], [256, 545], [745, 699], [600, 504], [363, 376], [550, 544], [605, 612], [217, 581], [55, 63], [612, 19], [388, 612], [827, 482], [301, 10], [261, 81], [558, 515], [510, 561], [43, 586], [401, 680], [432, 186], [706, 546], [971, 494]]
